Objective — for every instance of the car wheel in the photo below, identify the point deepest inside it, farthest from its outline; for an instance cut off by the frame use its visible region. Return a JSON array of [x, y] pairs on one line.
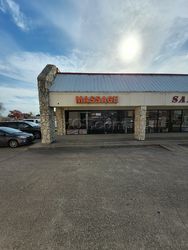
[[37, 135], [13, 144]]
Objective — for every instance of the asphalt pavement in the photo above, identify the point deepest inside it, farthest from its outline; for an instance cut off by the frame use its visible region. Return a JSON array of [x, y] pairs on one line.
[[94, 198]]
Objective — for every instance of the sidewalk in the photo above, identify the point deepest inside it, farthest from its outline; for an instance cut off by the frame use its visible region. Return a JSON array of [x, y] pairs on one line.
[[114, 140]]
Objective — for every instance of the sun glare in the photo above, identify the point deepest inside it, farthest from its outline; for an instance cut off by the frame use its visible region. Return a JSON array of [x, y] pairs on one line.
[[129, 48]]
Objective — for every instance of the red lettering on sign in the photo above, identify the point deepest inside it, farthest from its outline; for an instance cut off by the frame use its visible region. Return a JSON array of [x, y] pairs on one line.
[[86, 99], [110, 99], [104, 99], [115, 99], [96, 99], [92, 99], [79, 99]]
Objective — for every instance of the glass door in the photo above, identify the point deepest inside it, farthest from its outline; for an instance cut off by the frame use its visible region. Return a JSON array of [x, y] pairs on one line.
[[111, 121], [184, 127], [175, 121], [76, 122]]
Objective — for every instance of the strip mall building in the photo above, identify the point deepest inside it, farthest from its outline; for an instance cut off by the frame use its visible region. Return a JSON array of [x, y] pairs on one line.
[[90, 103]]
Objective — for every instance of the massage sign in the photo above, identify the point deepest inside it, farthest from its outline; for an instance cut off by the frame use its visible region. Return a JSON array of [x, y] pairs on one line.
[[96, 99]]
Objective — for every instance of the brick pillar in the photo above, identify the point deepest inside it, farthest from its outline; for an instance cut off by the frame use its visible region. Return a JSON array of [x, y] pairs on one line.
[[140, 123], [45, 80], [60, 118]]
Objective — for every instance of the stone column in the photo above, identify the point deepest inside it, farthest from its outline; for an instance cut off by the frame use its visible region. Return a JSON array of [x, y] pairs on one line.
[[60, 119], [45, 80], [64, 123], [140, 123]]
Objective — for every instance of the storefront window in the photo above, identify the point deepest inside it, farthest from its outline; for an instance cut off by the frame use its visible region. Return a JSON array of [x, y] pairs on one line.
[[100, 122], [151, 121], [163, 121], [166, 121], [175, 121], [122, 121], [76, 122], [184, 127]]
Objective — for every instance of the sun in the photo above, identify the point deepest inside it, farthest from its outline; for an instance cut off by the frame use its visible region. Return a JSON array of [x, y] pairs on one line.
[[129, 48]]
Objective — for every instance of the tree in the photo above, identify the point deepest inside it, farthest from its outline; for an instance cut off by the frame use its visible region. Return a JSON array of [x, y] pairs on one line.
[[27, 115], [16, 114]]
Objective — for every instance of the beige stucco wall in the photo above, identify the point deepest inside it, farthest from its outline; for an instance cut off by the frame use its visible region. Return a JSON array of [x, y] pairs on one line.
[[125, 99]]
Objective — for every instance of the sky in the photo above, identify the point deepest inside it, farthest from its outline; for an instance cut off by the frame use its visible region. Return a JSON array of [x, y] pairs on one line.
[[149, 36]]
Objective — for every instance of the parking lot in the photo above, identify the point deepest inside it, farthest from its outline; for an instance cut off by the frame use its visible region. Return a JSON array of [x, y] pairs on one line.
[[93, 198]]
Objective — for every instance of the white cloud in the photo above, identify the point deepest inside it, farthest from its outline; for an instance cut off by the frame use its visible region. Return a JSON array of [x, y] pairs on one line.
[[97, 27], [26, 66], [2, 6], [14, 10], [174, 64], [22, 99]]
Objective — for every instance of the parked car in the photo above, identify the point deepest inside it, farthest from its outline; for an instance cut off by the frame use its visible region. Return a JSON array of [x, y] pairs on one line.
[[25, 126], [35, 120], [13, 137]]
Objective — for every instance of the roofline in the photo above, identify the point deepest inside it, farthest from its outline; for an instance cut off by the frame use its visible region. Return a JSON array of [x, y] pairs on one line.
[[119, 92], [103, 73]]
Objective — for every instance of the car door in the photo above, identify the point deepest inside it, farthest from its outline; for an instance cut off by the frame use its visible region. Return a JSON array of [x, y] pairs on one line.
[[3, 138], [3, 124], [12, 125], [25, 127]]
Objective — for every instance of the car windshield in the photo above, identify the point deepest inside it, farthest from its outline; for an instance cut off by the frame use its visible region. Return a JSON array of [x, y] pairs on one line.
[[33, 124], [10, 130]]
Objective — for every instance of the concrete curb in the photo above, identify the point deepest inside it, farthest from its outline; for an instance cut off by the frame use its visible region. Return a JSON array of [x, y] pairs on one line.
[[82, 146], [169, 144]]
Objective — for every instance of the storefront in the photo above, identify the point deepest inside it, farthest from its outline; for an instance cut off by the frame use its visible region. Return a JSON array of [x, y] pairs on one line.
[[162, 121], [99, 121], [89, 103]]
